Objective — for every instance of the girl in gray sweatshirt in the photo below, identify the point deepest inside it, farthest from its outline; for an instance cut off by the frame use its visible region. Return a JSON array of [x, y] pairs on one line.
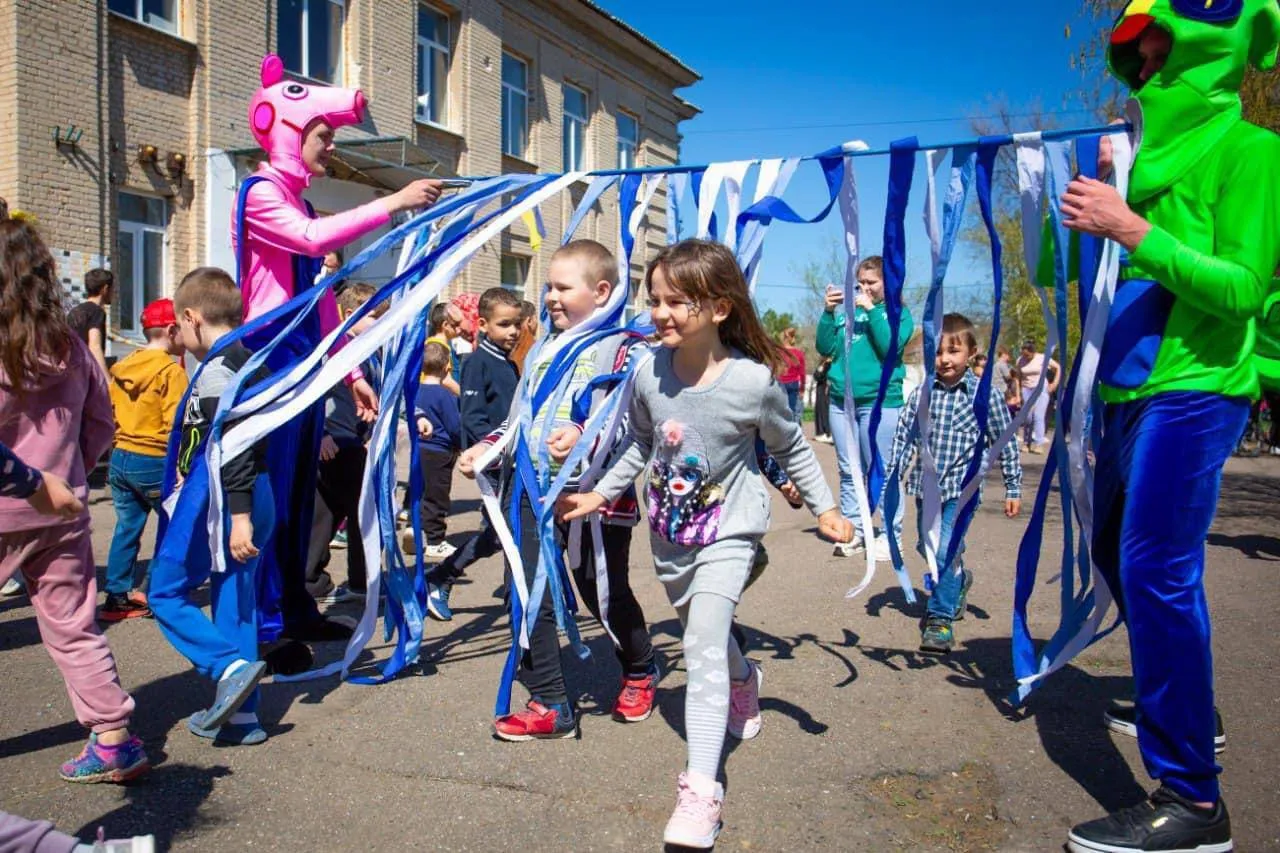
[[697, 408]]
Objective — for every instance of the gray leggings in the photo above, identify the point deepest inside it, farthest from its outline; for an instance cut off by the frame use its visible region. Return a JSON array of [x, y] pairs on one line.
[[711, 658]]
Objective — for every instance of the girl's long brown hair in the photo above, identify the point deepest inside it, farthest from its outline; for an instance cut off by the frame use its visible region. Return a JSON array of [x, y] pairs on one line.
[[33, 324], [705, 271]]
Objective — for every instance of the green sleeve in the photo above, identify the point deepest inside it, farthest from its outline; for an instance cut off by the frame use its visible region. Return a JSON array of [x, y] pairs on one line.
[[829, 342], [1232, 281], [881, 333]]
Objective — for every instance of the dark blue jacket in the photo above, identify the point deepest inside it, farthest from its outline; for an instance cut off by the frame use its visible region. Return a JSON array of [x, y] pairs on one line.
[[439, 406], [489, 380]]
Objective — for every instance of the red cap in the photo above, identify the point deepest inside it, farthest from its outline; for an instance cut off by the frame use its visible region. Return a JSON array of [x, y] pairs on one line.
[[158, 314]]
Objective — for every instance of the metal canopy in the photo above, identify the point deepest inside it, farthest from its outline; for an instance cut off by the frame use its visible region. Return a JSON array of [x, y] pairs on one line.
[[385, 162]]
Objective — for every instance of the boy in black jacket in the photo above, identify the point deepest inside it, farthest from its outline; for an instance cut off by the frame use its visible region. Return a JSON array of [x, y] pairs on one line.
[[341, 478], [489, 380]]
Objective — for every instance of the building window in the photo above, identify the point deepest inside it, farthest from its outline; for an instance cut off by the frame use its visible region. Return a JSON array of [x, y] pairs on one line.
[[139, 261], [433, 66], [309, 37], [161, 14], [628, 140], [574, 128], [515, 105], [514, 272]]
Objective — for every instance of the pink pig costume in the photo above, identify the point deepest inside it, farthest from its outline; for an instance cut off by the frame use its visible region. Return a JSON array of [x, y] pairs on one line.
[[279, 245]]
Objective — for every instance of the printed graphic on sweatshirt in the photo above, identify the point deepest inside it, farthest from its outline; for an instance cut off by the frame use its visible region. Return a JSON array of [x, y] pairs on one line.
[[684, 504]]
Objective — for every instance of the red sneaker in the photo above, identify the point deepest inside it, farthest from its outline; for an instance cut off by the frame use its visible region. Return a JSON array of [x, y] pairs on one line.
[[537, 722], [635, 703]]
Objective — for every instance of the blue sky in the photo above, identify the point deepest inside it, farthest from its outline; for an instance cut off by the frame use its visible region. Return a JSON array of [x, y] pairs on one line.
[[778, 84]]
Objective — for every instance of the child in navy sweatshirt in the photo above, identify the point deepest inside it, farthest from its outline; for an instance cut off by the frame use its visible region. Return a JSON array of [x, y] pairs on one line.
[[489, 380], [440, 425]]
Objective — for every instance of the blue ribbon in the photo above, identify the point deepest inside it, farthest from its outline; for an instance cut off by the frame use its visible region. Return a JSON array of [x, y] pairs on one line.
[[987, 149]]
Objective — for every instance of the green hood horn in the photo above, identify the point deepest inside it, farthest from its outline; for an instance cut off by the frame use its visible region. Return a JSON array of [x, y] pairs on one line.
[[1190, 103]]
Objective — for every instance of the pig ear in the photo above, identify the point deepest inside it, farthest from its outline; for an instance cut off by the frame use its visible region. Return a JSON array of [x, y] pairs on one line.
[[272, 70]]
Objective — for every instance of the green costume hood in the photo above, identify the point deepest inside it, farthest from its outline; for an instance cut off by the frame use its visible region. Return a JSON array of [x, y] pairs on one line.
[[1190, 103]]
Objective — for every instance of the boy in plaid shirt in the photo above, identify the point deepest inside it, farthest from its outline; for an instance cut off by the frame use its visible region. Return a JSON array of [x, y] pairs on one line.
[[953, 434]]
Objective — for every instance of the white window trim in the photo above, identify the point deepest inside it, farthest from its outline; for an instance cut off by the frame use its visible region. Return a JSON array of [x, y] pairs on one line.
[[339, 74], [584, 120], [170, 27], [509, 90], [137, 275], [426, 45], [522, 261], [634, 144]]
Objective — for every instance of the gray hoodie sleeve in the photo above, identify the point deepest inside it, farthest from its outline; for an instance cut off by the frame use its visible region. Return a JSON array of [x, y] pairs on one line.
[[636, 448], [786, 442]]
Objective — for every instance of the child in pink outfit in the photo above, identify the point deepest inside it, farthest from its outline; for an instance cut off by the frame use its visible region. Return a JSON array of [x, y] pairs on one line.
[[55, 415]]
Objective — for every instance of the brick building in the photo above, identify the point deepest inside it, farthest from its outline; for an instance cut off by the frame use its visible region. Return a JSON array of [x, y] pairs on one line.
[[126, 120]]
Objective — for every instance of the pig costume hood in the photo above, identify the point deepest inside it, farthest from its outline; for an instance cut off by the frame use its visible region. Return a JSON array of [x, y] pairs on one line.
[[283, 109]]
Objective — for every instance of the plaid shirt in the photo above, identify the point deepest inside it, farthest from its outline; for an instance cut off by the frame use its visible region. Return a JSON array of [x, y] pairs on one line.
[[953, 432]]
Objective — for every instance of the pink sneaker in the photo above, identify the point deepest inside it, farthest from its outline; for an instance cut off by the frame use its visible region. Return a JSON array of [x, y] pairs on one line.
[[744, 704], [696, 821]]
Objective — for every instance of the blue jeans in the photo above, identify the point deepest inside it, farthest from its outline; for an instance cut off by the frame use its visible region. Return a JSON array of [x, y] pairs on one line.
[[183, 563], [945, 600], [840, 435], [1160, 455], [795, 400], [135, 491]]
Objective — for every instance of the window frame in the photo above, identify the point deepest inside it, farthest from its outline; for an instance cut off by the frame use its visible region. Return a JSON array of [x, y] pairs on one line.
[[429, 47], [129, 322], [510, 90], [523, 262], [567, 162], [304, 45], [632, 143], [138, 15]]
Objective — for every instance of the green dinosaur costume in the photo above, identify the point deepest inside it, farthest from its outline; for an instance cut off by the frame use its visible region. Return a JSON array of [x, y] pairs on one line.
[[1178, 368], [1209, 182]]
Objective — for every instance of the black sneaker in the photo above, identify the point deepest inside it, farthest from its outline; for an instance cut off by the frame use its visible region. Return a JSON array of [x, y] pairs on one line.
[[1167, 822], [120, 606], [1122, 718], [937, 638]]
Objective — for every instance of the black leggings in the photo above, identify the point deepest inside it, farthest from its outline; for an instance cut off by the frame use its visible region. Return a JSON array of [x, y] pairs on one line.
[[541, 670]]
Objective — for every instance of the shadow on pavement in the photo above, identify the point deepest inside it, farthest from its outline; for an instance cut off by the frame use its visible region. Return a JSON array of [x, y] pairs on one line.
[[165, 803], [1253, 546], [1067, 711]]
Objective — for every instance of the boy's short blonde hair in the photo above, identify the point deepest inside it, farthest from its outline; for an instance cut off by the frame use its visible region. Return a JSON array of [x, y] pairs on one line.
[[598, 263], [436, 360], [357, 294], [213, 293]]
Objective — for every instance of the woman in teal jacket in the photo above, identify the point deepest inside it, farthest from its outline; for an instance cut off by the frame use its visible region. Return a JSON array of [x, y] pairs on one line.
[[870, 348]]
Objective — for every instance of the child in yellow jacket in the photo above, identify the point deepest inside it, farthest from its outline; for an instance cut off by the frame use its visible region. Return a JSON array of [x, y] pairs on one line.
[[146, 389]]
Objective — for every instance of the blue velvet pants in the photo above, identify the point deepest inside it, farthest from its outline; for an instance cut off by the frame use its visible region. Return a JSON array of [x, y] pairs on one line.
[[1159, 469]]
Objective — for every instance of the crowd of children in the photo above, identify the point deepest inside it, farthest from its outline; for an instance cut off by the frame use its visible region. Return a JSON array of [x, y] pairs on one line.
[[707, 418]]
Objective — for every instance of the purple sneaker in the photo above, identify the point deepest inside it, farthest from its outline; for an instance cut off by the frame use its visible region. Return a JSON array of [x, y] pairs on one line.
[[98, 763]]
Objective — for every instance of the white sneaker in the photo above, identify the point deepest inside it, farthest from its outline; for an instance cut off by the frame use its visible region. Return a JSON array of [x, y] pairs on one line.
[[1275, 451], [848, 549], [438, 552], [882, 549], [696, 821], [12, 588]]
